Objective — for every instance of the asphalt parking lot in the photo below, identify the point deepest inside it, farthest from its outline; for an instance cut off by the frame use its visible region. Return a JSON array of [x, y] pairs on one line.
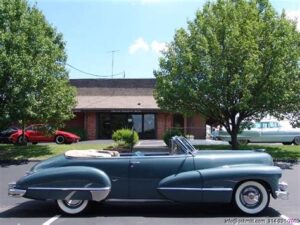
[[19, 211]]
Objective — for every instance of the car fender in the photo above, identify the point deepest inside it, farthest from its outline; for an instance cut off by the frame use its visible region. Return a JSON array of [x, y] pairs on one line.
[[217, 184], [228, 178], [73, 182], [182, 187]]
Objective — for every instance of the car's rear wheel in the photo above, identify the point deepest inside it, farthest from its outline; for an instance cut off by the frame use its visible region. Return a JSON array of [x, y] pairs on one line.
[[243, 142], [251, 197], [287, 143], [20, 140], [297, 140], [59, 139], [72, 206]]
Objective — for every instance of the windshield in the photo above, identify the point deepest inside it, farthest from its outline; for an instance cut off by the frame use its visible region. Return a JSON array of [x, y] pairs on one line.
[[184, 145]]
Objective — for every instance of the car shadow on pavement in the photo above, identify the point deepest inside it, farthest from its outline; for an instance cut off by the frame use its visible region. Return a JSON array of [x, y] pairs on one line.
[[37, 209]]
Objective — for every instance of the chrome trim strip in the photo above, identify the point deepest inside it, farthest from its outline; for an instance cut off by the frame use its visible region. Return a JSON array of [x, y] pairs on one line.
[[217, 189], [194, 189], [136, 200], [69, 189]]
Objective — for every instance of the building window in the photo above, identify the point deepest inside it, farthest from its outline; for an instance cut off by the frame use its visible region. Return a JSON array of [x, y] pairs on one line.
[[144, 124], [149, 126]]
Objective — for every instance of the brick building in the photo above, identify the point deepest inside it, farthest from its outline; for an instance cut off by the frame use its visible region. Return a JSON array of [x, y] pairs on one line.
[[104, 105]]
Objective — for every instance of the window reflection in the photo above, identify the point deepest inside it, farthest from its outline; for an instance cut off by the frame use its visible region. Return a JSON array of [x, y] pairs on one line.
[[137, 122], [144, 124]]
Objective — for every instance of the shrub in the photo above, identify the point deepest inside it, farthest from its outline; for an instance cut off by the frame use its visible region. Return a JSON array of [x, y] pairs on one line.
[[169, 134], [124, 137]]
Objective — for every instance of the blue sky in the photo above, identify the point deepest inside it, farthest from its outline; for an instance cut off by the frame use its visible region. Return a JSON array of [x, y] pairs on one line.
[[138, 29]]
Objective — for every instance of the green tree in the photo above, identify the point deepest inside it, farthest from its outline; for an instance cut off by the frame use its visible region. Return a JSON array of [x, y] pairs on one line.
[[236, 61], [34, 84]]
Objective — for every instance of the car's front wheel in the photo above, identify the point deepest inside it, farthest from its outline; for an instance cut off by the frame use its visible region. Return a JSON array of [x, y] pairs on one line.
[[72, 206], [297, 140], [59, 139], [251, 197]]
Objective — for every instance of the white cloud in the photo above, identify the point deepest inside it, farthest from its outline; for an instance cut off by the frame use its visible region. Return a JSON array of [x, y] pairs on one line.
[[139, 44], [294, 15], [158, 47]]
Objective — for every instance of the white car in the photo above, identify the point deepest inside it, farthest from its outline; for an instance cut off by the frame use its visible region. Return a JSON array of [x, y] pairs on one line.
[[266, 132]]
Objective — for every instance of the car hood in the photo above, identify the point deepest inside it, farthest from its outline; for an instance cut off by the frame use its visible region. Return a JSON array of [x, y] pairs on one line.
[[216, 158]]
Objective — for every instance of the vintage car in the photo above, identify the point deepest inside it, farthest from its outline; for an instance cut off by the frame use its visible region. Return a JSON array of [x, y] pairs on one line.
[[5, 134], [186, 175], [265, 132], [42, 133]]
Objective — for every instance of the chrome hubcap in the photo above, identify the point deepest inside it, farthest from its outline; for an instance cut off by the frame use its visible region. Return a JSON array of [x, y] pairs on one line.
[[250, 197], [73, 203]]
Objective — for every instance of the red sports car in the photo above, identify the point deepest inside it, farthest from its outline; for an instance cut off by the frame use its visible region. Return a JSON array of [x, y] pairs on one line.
[[42, 133]]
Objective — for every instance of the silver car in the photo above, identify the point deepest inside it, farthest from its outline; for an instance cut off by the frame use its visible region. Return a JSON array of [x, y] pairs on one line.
[[266, 132]]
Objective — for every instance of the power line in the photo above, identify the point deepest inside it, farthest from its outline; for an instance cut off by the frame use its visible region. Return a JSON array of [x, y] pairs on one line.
[[95, 75]]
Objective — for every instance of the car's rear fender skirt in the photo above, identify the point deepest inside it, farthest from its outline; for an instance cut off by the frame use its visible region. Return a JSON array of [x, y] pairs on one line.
[[229, 177], [73, 182], [182, 187]]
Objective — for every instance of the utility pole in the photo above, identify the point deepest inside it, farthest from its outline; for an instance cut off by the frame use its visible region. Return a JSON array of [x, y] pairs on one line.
[[112, 61]]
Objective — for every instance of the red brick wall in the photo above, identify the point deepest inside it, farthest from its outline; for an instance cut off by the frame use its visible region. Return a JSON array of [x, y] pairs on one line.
[[77, 121], [164, 122], [90, 125], [196, 125], [87, 120]]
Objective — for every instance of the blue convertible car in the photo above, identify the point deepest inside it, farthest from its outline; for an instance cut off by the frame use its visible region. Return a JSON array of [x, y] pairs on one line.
[[245, 178]]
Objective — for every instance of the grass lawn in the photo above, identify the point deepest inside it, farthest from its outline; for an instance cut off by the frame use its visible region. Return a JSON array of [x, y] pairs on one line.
[[12, 152], [278, 152]]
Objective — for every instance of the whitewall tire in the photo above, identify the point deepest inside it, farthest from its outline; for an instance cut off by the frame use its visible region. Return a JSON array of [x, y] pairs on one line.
[[297, 140], [72, 206], [251, 197]]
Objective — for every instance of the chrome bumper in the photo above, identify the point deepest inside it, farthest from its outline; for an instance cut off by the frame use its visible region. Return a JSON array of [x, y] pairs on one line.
[[282, 192], [14, 192]]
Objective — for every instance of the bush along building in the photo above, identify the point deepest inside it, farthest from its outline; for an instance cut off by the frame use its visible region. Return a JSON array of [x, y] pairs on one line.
[[105, 105]]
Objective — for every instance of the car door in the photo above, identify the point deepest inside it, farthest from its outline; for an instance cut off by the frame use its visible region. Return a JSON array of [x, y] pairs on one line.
[[44, 134], [146, 171], [31, 133], [270, 132], [40, 133]]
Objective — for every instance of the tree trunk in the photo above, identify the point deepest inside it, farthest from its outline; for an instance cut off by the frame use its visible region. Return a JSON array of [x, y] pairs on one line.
[[23, 134], [234, 140]]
